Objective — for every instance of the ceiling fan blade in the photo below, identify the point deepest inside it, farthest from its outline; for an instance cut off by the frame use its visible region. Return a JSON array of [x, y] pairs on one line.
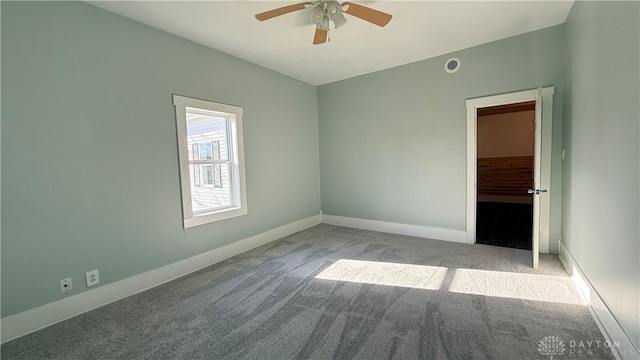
[[320, 36], [368, 14], [281, 11]]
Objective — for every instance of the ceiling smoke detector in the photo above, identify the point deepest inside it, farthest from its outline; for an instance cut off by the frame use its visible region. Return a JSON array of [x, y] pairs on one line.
[[452, 65]]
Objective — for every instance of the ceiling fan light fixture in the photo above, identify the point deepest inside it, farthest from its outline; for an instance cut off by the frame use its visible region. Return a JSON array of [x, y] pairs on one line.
[[334, 12], [317, 15], [325, 24], [339, 20], [333, 8]]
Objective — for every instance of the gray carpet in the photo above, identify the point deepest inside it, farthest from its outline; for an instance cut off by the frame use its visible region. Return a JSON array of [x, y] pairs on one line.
[[338, 293]]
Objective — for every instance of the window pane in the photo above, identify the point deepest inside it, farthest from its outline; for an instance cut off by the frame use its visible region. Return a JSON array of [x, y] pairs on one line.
[[214, 192], [209, 134]]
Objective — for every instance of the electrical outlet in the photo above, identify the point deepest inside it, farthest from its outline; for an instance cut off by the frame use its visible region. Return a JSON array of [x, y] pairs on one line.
[[65, 285], [92, 277]]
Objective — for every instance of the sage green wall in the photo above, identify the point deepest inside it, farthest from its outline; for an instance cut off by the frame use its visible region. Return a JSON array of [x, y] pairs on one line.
[[601, 171], [393, 143], [89, 154]]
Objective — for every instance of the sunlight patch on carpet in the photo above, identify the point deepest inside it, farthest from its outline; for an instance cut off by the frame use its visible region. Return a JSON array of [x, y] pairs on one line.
[[515, 285], [384, 273]]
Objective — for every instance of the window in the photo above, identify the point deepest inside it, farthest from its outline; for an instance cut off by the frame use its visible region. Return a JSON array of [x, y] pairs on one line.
[[211, 160]]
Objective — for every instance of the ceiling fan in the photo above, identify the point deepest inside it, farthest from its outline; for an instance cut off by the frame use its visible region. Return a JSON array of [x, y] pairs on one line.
[[329, 10]]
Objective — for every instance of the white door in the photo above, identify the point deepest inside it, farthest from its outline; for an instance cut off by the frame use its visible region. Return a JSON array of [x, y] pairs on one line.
[[535, 192]]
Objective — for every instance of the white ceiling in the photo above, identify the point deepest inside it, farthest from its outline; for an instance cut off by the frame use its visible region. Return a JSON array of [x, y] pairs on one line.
[[418, 30]]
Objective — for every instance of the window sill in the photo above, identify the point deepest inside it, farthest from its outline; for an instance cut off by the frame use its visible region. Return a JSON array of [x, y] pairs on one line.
[[215, 216]]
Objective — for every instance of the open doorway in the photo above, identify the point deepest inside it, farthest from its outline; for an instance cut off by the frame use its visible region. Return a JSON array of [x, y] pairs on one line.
[[505, 159], [541, 190]]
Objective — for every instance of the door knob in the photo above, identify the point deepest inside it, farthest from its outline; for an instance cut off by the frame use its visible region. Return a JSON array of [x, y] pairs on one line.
[[536, 191]]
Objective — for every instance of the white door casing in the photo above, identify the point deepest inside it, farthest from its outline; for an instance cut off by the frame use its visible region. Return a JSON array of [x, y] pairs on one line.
[[543, 154]]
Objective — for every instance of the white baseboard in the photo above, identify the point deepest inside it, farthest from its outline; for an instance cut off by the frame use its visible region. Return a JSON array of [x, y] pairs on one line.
[[26, 322], [607, 323], [396, 228]]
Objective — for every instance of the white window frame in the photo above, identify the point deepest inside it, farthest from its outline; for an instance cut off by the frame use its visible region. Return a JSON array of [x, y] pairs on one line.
[[237, 183]]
